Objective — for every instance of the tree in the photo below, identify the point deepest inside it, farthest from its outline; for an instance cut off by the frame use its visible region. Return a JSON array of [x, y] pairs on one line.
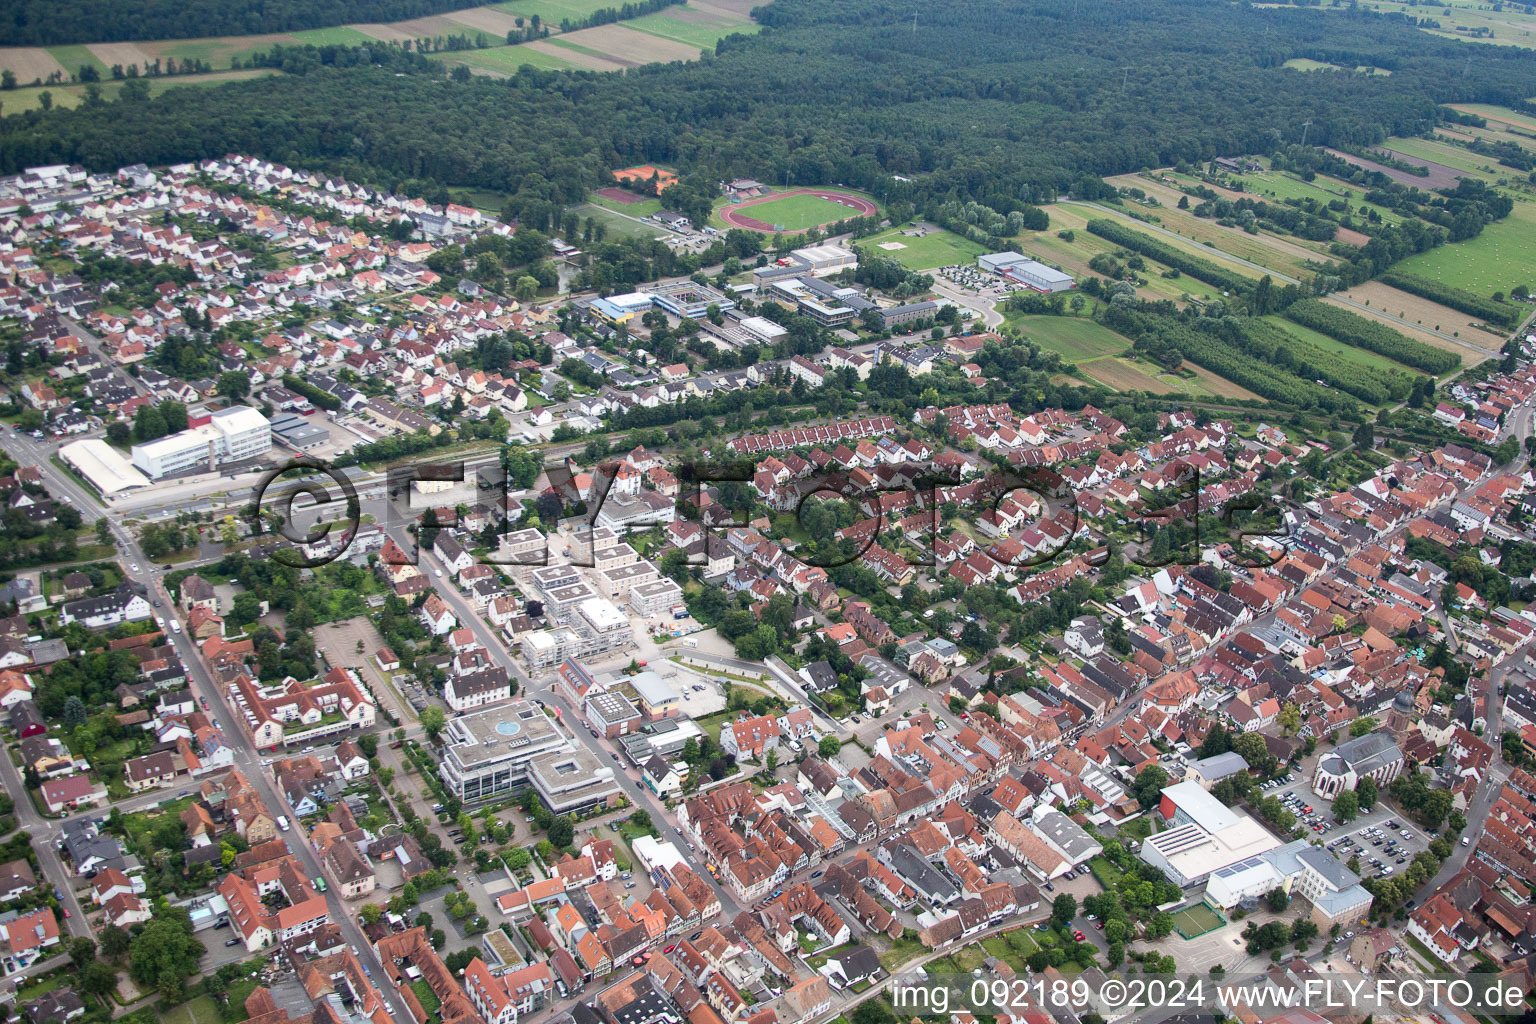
[[771, 760], [1277, 899], [98, 978], [561, 832], [163, 956], [234, 385], [1149, 785], [432, 722], [82, 951], [640, 818], [872, 1011], [74, 712], [1063, 909], [1346, 806], [1362, 725], [370, 913], [114, 941], [829, 746]]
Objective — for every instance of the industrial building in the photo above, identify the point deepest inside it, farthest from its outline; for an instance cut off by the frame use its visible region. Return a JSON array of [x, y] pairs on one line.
[[822, 260], [103, 466], [1025, 271], [504, 749], [621, 309], [763, 329], [229, 435], [299, 433], [1204, 836]]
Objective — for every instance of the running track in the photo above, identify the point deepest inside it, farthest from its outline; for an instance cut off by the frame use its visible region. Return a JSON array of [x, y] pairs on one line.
[[733, 217]]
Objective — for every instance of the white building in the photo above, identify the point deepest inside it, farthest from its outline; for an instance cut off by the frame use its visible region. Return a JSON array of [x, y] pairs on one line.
[[229, 435], [825, 259], [763, 329], [101, 464], [1373, 756], [1028, 272]]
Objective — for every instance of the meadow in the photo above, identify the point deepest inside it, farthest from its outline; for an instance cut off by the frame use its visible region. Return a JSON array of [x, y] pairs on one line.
[[679, 33], [1075, 339], [18, 101], [937, 248], [617, 226], [1503, 256]]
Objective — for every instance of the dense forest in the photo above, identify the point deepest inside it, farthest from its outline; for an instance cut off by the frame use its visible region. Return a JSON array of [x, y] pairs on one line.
[[998, 101], [54, 22]]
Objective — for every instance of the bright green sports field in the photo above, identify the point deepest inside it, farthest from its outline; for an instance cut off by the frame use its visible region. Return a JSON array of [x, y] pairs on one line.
[[938, 248], [1503, 256], [796, 213]]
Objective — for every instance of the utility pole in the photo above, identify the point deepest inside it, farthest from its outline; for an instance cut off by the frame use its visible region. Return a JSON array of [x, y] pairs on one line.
[[914, 23], [1125, 79], [1305, 125]]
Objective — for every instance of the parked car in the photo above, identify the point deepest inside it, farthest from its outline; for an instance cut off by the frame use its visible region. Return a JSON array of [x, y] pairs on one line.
[[231, 942]]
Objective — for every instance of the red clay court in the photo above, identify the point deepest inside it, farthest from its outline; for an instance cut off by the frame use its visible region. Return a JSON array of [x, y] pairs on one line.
[[735, 216]]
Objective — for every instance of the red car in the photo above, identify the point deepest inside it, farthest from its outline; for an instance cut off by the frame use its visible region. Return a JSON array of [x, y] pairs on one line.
[[669, 949], [1079, 936]]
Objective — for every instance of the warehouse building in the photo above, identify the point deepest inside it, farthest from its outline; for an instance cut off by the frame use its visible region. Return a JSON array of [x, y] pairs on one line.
[[822, 260], [103, 466], [1204, 836], [299, 433], [1025, 271], [229, 435], [763, 329], [621, 309]]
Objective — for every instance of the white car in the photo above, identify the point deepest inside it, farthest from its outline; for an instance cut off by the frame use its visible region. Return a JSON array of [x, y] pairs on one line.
[[133, 568]]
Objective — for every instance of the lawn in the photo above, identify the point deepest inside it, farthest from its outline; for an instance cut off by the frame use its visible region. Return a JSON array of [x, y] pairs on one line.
[[711, 723], [703, 33], [642, 209], [429, 1001], [1503, 256], [617, 226], [1073, 338], [796, 213], [1504, 114], [201, 1010], [938, 248]]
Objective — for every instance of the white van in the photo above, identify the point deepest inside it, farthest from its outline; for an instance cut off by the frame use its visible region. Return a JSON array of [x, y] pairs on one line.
[[282, 822]]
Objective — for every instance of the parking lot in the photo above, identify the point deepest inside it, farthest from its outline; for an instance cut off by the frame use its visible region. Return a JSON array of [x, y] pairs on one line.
[[1381, 839]]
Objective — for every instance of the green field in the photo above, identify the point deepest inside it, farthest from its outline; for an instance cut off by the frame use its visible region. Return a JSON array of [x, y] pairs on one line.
[[617, 226], [1354, 355], [74, 57], [505, 60], [1442, 153], [1196, 920], [938, 248], [1503, 256], [1073, 338], [1303, 64], [341, 35], [217, 52], [796, 213], [17, 101], [641, 209], [1279, 185], [553, 11], [201, 1010], [703, 33], [1495, 114]]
